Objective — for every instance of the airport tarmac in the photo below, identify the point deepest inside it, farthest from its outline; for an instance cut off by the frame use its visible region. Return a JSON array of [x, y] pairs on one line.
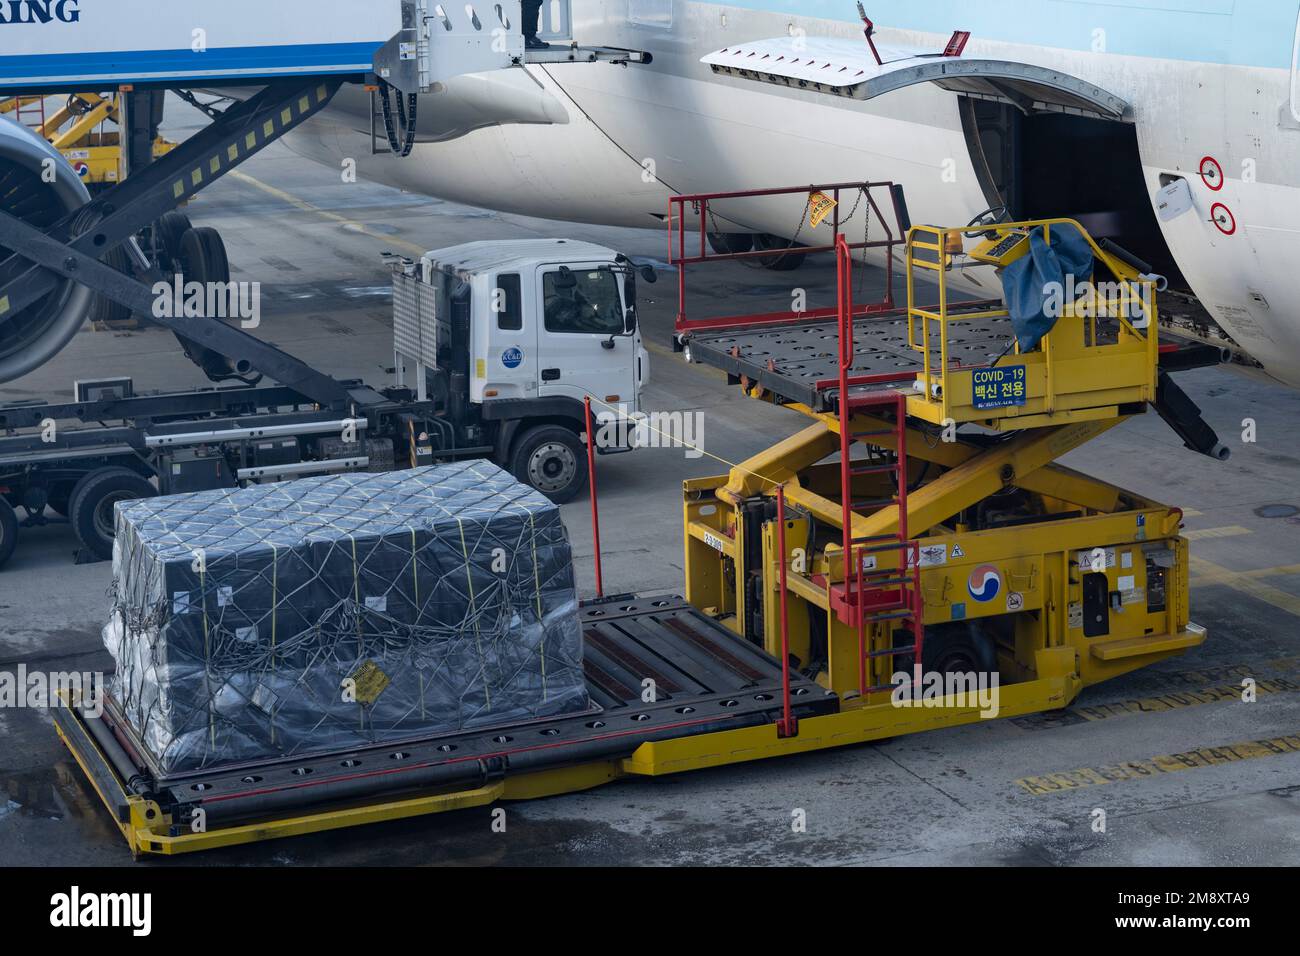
[[1209, 780]]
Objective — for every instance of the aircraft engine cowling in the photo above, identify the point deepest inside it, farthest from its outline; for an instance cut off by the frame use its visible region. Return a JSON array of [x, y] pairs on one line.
[[32, 336]]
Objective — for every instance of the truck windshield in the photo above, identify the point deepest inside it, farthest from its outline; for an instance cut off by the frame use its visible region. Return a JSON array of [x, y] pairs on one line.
[[588, 302]]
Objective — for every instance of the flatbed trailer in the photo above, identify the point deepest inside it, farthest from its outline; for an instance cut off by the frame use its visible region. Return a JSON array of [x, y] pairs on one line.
[[821, 596], [81, 458]]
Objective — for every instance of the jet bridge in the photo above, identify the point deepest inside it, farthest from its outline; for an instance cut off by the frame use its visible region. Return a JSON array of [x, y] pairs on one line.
[[55, 243]]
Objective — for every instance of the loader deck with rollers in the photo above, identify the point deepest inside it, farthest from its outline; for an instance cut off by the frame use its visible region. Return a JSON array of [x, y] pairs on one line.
[[971, 555]]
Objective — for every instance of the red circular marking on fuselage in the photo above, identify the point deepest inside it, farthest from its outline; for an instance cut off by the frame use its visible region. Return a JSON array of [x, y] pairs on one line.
[[1210, 180], [1230, 226]]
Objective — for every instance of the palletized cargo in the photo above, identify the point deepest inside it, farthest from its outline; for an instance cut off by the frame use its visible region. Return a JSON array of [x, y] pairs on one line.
[[341, 611]]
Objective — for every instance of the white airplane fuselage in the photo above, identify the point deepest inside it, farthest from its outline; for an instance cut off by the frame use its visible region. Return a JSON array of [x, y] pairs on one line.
[[1210, 86]]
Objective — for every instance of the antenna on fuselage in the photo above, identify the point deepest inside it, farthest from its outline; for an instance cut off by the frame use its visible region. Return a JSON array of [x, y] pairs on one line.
[[871, 33]]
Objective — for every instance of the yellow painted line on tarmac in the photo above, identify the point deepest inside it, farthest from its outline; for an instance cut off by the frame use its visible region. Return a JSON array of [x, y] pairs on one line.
[[1281, 571], [305, 206], [1158, 766], [1179, 700], [1232, 531], [1278, 571], [1244, 583]]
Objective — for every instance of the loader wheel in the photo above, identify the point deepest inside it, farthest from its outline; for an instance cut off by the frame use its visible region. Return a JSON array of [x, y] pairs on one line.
[[958, 649], [8, 531], [551, 459], [90, 510]]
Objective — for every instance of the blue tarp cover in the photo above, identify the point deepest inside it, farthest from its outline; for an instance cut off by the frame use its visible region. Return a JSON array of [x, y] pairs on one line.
[[1031, 283]]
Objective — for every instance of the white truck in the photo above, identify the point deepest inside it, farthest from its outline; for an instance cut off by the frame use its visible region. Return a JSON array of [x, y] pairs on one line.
[[508, 339]]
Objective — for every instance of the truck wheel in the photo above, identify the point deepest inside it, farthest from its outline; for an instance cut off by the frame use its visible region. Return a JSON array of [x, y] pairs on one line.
[[551, 459], [8, 531], [90, 511], [60, 497]]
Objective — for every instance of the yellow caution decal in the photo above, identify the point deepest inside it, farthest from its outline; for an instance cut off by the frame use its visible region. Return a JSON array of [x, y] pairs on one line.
[[365, 684], [820, 206]]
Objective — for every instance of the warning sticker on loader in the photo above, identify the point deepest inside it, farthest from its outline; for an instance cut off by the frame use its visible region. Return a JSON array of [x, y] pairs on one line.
[[365, 684], [932, 555]]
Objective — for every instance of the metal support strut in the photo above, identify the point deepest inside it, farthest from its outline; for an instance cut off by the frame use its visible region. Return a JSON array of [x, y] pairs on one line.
[[242, 131], [595, 507]]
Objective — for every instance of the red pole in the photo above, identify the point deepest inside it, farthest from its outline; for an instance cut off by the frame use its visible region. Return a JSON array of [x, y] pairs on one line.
[[681, 268], [844, 263], [787, 727], [595, 508], [916, 603]]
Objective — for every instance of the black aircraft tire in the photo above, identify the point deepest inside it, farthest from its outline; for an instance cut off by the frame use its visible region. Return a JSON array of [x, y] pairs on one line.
[[171, 228]]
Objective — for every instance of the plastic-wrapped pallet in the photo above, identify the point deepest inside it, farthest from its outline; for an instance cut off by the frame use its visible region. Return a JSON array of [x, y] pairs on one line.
[[334, 612]]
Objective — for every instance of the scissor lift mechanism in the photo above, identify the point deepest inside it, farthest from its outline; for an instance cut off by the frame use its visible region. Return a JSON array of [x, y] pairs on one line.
[[765, 548], [1090, 580]]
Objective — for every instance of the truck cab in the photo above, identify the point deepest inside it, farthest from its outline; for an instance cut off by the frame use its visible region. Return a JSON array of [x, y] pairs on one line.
[[509, 339]]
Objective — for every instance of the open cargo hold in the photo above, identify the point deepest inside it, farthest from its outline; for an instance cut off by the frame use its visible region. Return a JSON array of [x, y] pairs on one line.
[[339, 612]]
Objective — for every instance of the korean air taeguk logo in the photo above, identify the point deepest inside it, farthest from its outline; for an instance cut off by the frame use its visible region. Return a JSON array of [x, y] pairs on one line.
[[984, 583]]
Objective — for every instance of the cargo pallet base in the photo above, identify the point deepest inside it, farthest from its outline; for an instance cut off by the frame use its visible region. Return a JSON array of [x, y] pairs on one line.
[[656, 669]]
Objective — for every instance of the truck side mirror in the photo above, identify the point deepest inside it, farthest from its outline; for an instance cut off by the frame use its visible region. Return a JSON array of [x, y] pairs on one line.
[[649, 275]]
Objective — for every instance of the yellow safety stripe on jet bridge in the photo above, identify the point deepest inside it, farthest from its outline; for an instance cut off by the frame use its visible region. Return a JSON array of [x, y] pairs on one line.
[[1156, 766]]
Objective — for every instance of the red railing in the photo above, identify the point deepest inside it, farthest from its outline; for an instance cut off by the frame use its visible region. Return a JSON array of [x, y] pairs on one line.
[[682, 208], [870, 595]]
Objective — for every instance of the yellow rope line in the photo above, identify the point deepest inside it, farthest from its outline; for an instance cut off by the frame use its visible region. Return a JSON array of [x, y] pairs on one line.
[[275, 600], [537, 589], [207, 653], [473, 610]]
